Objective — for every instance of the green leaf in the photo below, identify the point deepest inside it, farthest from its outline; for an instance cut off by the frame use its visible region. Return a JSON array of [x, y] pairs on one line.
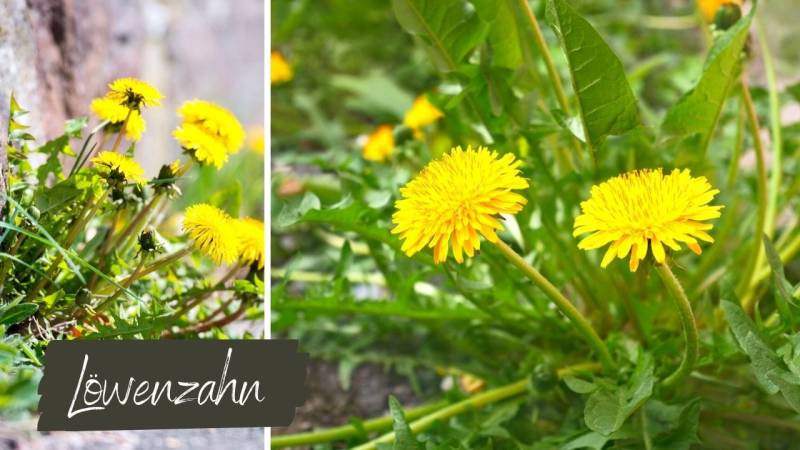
[[57, 196], [783, 289], [375, 93], [605, 100], [580, 386], [17, 313], [698, 111], [604, 411], [506, 38], [403, 437], [292, 213], [450, 29], [768, 367]]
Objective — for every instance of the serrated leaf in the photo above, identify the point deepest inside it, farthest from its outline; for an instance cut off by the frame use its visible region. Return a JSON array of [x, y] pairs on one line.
[[605, 100], [782, 287], [767, 366], [403, 437], [698, 111], [450, 29]]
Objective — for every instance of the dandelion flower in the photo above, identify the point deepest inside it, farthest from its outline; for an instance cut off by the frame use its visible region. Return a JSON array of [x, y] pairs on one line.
[[645, 207], [457, 199], [212, 231], [202, 146], [133, 93], [110, 110], [422, 113], [113, 165], [216, 121], [709, 8], [279, 69], [251, 240], [380, 144]]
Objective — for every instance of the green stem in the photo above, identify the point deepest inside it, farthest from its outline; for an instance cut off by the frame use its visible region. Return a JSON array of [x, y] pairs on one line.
[[745, 293], [775, 130], [125, 285], [474, 402], [552, 72], [121, 132], [566, 307], [163, 262], [733, 169], [689, 325], [136, 224], [348, 431]]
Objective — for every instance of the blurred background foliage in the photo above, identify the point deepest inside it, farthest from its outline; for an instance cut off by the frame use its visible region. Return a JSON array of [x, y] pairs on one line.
[[342, 287]]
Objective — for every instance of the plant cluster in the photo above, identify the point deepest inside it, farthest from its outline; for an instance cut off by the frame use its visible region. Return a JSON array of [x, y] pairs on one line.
[[497, 211], [90, 247]]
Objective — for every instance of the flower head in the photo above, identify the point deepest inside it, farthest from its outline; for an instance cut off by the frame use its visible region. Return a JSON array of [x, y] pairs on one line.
[[380, 144], [647, 207], [251, 240], [422, 113], [110, 110], [133, 93], [216, 121], [119, 168], [202, 146], [279, 69], [456, 199], [212, 231], [709, 8]]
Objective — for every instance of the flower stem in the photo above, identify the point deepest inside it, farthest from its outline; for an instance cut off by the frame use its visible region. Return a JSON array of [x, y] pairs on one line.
[[744, 291], [163, 262], [474, 402], [689, 325], [552, 72], [347, 431], [121, 132], [368, 426], [776, 139], [566, 307]]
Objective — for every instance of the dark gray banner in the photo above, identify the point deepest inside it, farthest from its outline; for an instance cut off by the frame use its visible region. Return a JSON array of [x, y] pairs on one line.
[[128, 385]]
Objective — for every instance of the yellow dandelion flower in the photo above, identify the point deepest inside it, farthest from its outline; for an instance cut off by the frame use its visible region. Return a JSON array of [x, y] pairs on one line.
[[111, 163], [380, 144], [133, 93], [203, 147], [279, 69], [216, 121], [422, 113], [456, 199], [647, 207], [251, 240], [709, 8], [110, 110], [212, 231]]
